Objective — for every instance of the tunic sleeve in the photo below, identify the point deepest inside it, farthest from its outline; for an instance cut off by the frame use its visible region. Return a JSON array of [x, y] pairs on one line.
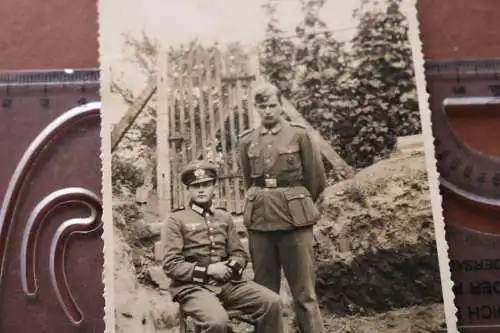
[[174, 263], [238, 257], [314, 170], [244, 164]]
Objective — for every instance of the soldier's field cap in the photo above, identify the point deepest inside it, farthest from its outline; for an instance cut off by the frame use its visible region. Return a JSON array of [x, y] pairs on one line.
[[199, 172], [264, 92]]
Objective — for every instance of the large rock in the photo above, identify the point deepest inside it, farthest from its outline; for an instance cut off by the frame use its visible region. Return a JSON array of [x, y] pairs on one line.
[[375, 243]]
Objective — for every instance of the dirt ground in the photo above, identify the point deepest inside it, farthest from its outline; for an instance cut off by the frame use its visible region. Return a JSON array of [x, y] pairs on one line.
[[376, 257]]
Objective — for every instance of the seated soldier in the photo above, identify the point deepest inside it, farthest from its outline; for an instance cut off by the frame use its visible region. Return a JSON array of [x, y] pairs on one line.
[[205, 259]]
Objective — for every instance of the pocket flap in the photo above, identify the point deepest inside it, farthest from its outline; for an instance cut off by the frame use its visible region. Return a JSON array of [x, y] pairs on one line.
[[297, 193], [289, 150]]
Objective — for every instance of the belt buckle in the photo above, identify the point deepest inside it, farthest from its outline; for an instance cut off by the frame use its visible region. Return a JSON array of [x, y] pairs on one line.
[[271, 182]]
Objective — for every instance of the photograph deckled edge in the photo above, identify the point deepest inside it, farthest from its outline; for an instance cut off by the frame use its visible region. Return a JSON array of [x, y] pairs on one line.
[[107, 214], [431, 163], [423, 100]]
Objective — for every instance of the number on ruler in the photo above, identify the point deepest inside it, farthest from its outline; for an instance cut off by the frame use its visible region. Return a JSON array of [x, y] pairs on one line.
[[467, 171], [496, 179], [481, 179], [459, 90]]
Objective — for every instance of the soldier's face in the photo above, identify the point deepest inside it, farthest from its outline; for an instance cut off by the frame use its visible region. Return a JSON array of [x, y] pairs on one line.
[[269, 111], [201, 193]]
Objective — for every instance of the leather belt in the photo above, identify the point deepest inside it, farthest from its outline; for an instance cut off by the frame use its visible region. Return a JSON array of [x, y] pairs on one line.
[[274, 182]]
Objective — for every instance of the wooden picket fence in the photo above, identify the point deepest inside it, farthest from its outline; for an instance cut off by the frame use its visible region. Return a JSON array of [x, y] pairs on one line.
[[204, 103]]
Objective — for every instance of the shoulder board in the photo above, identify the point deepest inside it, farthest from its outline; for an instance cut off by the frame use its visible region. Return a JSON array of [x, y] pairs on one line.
[[178, 209], [246, 132], [295, 124]]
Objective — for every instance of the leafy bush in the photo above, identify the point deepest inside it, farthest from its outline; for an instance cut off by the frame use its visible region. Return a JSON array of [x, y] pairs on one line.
[[125, 175], [359, 99]]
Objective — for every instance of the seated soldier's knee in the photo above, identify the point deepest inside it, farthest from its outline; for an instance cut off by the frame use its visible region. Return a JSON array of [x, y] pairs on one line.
[[218, 322], [274, 302]]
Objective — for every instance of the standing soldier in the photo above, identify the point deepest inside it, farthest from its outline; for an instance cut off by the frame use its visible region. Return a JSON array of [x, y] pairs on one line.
[[205, 260], [284, 176]]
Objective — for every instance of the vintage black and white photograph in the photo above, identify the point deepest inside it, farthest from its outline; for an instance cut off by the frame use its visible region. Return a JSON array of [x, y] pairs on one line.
[[268, 168]]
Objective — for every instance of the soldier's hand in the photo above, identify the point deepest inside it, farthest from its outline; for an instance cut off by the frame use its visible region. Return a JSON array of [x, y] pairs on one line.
[[219, 271]]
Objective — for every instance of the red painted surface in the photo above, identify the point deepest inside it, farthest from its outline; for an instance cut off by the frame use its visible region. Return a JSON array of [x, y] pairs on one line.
[[457, 29], [48, 34]]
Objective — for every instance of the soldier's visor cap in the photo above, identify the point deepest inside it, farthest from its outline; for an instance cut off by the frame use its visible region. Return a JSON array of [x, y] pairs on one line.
[[199, 172]]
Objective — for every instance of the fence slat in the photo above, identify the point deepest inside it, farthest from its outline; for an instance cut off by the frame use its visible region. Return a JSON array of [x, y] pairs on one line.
[[202, 110], [173, 103], [254, 66], [241, 125], [182, 123], [162, 134], [211, 115], [192, 126], [251, 107], [232, 137], [225, 168]]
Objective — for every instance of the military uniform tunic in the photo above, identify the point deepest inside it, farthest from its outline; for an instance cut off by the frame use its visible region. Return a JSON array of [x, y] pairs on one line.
[[284, 155], [197, 237]]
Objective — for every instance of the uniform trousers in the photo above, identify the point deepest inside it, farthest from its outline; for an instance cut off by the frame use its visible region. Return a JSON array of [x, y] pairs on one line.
[[208, 308], [293, 251]]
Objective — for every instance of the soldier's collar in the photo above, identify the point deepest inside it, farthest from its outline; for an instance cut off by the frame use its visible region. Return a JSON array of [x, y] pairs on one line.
[[275, 130], [201, 210]]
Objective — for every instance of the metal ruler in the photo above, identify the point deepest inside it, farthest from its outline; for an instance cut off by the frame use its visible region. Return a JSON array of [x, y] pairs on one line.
[[473, 176], [40, 121], [51, 77], [464, 83], [44, 82]]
